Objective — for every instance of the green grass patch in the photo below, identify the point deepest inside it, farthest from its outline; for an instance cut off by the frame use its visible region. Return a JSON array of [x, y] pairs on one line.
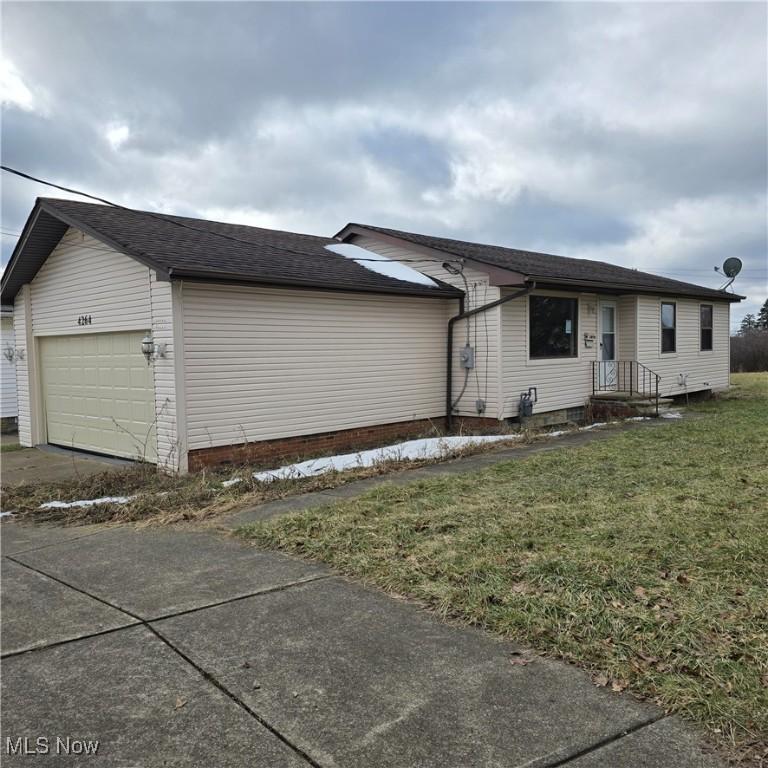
[[9, 447], [642, 557]]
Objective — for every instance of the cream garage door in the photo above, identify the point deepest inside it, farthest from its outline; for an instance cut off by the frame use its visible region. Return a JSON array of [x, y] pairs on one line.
[[98, 394]]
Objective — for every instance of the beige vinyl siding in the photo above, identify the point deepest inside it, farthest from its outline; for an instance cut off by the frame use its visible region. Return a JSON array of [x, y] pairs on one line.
[[626, 320], [483, 382], [164, 373], [705, 370], [22, 333], [8, 403], [262, 363], [561, 382], [85, 277]]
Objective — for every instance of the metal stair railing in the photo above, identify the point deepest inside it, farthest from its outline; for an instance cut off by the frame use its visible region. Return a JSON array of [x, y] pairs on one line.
[[626, 376]]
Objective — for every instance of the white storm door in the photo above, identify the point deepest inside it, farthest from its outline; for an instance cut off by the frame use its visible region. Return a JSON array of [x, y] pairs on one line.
[[608, 373]]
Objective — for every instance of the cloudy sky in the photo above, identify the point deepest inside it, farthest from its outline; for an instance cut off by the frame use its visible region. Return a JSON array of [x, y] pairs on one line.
[[631, 133]]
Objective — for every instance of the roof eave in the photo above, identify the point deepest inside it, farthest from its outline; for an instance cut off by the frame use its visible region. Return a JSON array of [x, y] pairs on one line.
[[71, 221], [353, 229], [9, 269], [238, 279], [611, 287]]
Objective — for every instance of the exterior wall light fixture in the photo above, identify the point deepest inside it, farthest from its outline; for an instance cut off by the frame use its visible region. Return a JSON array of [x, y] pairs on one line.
[[11, 354], [151, 350]]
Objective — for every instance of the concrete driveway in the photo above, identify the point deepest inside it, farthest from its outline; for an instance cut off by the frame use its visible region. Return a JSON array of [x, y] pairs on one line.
[[50, 464], [177, 648]]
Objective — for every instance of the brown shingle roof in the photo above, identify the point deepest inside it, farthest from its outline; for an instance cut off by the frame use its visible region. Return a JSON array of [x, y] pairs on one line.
[[181, 247], [546, 267]]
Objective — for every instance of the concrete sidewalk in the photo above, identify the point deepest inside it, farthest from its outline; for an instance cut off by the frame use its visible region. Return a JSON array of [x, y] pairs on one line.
[[176, 647]]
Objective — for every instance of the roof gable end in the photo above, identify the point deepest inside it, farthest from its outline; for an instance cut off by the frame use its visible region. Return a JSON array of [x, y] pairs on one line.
[[41, 234]]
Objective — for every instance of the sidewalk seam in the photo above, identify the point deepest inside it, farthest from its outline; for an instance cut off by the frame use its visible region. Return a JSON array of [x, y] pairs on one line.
[[57, 643], [139, 620], [604, 742], [207, 676], [213, 681], [54, 544]]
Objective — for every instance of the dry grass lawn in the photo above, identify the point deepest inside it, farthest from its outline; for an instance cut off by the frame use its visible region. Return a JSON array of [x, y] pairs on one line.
[[160, 498]]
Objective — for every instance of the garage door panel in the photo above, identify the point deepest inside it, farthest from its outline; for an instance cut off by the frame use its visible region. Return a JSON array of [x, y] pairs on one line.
[[106, 346], [139, 422], [120, 409], [98, 393], [134, 375], [111, 378]]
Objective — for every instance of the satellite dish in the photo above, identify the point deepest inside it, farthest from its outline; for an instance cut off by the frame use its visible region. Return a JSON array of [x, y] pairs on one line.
[[731, 267]]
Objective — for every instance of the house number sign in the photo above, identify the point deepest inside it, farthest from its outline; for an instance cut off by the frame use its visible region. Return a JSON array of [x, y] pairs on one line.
[[84, 320]]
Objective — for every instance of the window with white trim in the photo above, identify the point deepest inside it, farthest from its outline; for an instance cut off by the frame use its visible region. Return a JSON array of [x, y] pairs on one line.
[[552, 326], [668, 326], [705, 327]]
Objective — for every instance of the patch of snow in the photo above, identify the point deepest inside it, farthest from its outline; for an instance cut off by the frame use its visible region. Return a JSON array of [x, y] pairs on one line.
[[596, 424], [6, 514], [672, 415], [427, 448], [87, 502], [381, 264], [561, 432]]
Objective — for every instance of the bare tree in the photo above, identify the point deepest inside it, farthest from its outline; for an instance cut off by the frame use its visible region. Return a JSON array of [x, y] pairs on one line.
[[749, 350]]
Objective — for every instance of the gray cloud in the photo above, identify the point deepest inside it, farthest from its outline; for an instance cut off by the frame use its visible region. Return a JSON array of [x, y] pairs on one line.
[[630, 133]]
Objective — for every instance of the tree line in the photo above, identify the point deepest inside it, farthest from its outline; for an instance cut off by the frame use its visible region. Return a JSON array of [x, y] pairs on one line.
[[749, 347]]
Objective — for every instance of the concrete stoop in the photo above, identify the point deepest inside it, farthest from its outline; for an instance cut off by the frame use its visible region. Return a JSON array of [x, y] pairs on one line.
[[623, 405]]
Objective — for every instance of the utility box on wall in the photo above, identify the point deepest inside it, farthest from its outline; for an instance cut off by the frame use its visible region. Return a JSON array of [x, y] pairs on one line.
[[467, 357], [527, 401]]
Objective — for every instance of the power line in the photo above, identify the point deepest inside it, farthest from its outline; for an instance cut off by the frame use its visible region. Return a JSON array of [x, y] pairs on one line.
[[167, 219], [58, 186], [231, 238], [743, 273], [110, 250]]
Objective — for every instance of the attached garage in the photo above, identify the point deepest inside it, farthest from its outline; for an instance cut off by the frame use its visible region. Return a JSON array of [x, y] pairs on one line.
[[179, 341], [98, 394]]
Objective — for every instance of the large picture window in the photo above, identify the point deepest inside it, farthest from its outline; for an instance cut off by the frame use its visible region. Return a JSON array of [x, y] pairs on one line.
[[553, 325], [705, 324], [668, 326]]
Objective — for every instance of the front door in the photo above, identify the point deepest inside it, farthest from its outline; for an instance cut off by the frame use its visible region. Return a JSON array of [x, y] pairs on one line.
[[608, 365]]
